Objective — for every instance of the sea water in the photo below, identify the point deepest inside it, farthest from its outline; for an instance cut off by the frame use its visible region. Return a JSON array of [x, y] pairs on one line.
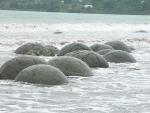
[[121, 88]]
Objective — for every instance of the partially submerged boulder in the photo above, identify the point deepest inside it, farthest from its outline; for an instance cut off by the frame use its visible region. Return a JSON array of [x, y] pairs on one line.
[[36, 49], [104, 51], [71, 66], [11, 68], [32, 49], [98, 47], [42, 74], [93, 59], [119, 56], [118, 45], [72, 47]]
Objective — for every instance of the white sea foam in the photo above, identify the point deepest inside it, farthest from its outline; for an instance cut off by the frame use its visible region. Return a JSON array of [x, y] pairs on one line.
[[13, 35]]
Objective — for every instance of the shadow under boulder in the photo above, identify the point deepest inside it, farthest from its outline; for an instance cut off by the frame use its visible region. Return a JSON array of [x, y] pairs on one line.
[[42, 74], [93, 59], [71, 66], [36, 49], [118, 56], [98, 47], [72, 47], [118, 45], [11, 68]]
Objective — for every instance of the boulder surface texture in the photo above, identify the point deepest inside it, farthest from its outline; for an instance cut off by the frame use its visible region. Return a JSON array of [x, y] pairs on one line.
[[42, 74], [118, 45], [71, 66], [93, 59], [104, 51], [36, 49], [118, 56], [72, 47], [98, 47]]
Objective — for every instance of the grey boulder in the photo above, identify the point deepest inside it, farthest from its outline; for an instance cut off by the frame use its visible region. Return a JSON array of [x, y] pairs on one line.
[[104, 51], [42, 74], [11, 68], [52, 50], [119, 56], [118, 45], [36, 49], [98, 47], [72, 47], [71, 66], [93, 59]]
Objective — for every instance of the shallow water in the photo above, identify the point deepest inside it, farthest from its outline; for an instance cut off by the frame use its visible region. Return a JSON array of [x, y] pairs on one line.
[[122, 88]]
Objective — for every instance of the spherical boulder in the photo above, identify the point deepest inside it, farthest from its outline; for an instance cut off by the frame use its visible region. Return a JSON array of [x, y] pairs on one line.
[[118, 45], [72, 47], [119, 56], [36, 49], [98, 47], [11, 68], [93, 59], [71, 66], [104, 51], [32, 49], [42, 74]]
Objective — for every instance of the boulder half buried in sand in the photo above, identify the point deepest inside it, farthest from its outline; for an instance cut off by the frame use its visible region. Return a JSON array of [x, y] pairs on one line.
[[71, 66], [93, 59], [72, 47], [98, 47], [118, 45], [11, 68], [42, 74], [118, 56]]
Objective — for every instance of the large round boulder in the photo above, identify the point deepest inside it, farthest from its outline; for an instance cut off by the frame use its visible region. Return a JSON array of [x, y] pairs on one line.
[[104, 51], [36, 49], [98, 47], [119, 56], [118, 45], [42, 74], [72, 47], [71, 66], [32, 49], [11, 68], [93, 59]]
